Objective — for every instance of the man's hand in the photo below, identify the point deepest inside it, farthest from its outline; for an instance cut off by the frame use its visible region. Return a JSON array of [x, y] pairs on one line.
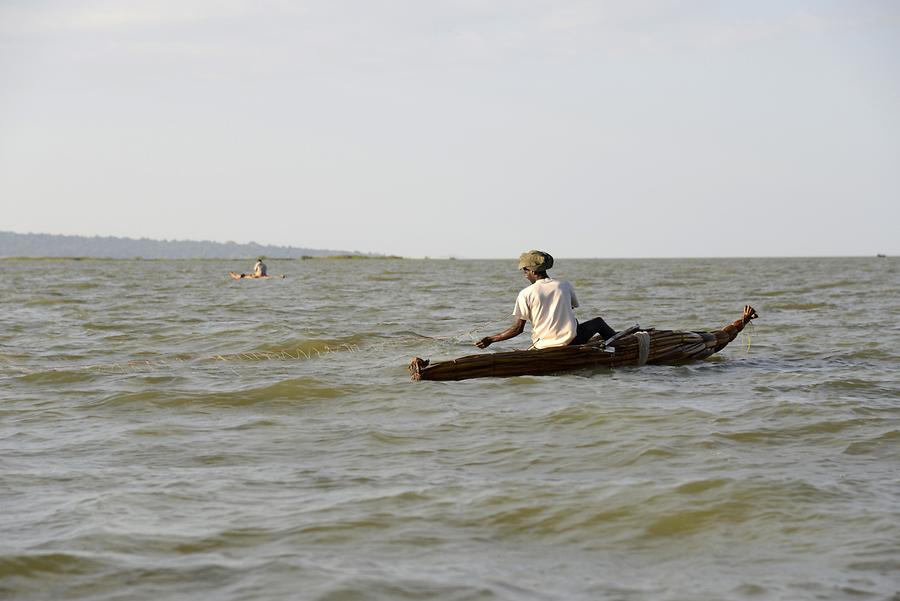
[[485, 342], [514, 330]]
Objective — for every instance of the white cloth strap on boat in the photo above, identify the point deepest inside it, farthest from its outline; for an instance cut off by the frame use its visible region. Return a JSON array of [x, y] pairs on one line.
[[643, 339]]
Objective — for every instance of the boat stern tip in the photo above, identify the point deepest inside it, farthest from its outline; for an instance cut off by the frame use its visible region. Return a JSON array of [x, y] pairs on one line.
[[416, 365]]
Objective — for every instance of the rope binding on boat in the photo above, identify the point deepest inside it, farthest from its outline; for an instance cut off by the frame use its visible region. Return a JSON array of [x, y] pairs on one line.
[[643, 339]]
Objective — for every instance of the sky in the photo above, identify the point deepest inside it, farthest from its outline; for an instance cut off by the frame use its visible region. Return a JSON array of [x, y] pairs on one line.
[[463, 128]]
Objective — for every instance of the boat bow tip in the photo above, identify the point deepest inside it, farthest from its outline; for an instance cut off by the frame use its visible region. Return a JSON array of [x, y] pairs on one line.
[[749, 313]]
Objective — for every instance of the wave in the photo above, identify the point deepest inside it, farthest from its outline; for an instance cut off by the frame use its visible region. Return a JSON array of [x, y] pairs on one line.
[[882, 446], [49, 302], [698, 506], [835, 389], [790, 432], [839, 283], [40, 564], [430, 586], [295, 390], [106, 327], [314, 346], [856, 388], [794, 306], [384, 277], [64, 575], [864, 353], [72, 375], [641, 511]]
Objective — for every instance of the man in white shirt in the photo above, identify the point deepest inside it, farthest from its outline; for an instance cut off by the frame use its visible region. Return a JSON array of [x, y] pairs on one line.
[[259, 270], [548, 304]]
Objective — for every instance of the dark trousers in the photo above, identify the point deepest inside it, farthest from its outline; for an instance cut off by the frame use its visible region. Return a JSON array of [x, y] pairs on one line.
[[591, 327]]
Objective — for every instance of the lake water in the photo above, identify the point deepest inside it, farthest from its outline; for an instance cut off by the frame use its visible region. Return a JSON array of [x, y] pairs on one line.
[[168, 433]]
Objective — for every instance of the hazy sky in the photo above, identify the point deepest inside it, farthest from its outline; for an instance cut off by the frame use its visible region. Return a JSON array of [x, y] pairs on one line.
[[471, 128]]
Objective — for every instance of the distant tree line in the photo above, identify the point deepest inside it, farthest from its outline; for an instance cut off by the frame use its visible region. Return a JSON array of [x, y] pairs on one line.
[[52, 245]]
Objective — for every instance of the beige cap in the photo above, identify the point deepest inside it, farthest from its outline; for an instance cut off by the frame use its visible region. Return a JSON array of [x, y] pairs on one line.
[[535, 260]]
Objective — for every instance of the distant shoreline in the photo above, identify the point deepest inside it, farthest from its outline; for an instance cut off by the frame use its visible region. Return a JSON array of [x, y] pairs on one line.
[[247, 258], [15, 245]]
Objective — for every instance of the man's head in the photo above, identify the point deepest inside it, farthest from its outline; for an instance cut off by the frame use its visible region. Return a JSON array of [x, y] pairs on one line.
[[535, 260], [535, 263]]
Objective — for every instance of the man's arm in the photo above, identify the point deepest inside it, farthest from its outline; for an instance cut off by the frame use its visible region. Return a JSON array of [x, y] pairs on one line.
[[514, 330]]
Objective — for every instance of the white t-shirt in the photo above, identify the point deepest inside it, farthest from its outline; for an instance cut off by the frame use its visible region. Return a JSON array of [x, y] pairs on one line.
[[548, 305], [259, 268]]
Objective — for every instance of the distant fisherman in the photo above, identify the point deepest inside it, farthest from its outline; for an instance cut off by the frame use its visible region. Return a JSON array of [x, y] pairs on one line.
[[548, 304], [259, 270]]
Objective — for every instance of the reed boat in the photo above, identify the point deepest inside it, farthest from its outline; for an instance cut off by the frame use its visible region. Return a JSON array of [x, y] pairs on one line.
[[251, 276], [632, 346]]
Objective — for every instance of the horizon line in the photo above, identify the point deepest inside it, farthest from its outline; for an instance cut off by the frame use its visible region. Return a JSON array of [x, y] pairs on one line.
[[388, 254]]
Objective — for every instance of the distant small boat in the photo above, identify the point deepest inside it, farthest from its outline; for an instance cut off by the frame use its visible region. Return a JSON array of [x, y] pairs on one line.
[[629, 347], [250, 276], [881, 256]]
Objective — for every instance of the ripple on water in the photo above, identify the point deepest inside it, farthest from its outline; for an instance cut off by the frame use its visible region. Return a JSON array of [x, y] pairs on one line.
[[769, 473]]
